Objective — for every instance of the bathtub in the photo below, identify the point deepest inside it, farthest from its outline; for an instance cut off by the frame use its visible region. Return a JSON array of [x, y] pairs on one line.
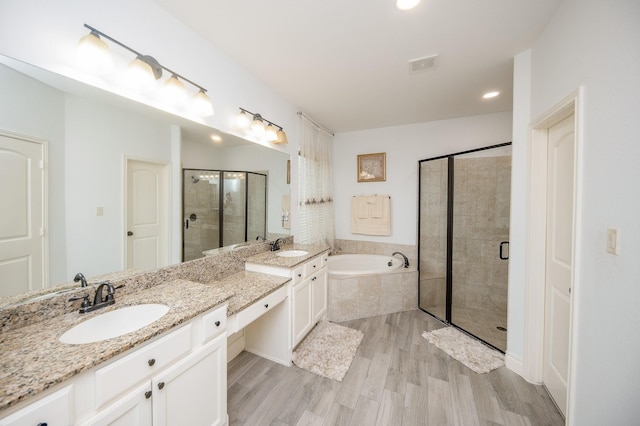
[[365, 285], [362, 264]]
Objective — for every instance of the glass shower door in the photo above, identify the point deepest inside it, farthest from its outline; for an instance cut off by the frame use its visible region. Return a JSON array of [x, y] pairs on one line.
[[256, 206], [234, 212], [480, 234], [201, 212]]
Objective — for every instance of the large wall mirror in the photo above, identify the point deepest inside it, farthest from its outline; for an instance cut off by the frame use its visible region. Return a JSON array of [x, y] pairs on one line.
[[94, 141]]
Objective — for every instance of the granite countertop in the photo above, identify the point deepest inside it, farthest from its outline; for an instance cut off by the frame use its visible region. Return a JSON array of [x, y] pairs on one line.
[[271, 258], [248, 287], [32, 359]]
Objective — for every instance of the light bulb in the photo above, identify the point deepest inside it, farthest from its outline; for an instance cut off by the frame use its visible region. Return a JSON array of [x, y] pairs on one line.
[[406, 4], [202, 104], [173, 91], [140, 75], [282, 137], [93, 54], [242, 121], [257, 127], [270, 133]]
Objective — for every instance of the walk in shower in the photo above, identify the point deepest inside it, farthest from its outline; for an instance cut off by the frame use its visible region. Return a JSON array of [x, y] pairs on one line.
[[221, 208], [463, 245]]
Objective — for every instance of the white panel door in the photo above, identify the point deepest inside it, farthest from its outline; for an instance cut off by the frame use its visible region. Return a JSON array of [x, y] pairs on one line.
[[559, 259], [147, 190], [21, 216]]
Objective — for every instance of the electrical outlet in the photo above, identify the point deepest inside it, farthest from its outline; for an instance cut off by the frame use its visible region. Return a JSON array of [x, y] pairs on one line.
[[612, 241]]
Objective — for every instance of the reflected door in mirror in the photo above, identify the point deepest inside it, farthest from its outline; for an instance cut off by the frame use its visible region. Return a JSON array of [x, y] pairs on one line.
[[21, 216], [147, 224]]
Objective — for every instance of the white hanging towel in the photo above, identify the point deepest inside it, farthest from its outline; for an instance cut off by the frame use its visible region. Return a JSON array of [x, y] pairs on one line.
[[371, 215]]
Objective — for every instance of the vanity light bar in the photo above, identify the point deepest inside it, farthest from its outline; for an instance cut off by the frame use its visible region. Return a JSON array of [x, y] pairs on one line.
[[281, 136]]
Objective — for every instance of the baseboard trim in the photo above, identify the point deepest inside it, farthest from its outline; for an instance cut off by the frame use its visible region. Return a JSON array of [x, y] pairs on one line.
[[514, 364]]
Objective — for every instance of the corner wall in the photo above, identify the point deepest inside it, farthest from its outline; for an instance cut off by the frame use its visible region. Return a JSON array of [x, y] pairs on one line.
[[594, 44]]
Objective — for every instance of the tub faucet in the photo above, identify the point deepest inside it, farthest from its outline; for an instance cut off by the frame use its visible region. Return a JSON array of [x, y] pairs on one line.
[[406, 260], [275, 246], [80, 278]]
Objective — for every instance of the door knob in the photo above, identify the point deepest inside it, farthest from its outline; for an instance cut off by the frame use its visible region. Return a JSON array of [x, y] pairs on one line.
[[129, 233]]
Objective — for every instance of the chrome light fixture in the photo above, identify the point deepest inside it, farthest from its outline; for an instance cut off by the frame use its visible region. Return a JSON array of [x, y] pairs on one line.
[[143, 71], [254, 124]]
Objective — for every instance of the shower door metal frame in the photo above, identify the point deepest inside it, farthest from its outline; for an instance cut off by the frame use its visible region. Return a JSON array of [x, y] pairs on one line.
[[221, 202], [449, 262]]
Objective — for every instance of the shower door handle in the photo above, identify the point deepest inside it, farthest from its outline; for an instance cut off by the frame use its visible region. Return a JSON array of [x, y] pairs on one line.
[[502, 245], [186, 224]]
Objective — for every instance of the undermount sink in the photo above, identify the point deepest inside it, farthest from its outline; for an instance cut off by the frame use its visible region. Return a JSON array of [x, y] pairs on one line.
[[292, 253], [114, 323]]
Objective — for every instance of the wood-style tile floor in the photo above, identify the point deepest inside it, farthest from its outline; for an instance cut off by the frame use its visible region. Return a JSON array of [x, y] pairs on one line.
[[396, 378]]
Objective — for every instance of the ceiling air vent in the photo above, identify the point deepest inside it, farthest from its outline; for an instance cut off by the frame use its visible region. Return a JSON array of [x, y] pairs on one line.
[[422, 64]]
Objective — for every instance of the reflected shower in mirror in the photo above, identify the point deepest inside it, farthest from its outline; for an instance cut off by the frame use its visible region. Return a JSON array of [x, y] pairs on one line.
[[89, 138]]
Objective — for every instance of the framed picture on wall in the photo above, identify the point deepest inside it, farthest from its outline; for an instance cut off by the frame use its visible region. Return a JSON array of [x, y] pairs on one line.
[[372, 167]]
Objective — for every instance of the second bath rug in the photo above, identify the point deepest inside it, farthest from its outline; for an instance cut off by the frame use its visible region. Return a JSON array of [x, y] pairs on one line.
[[469, 351], [328, 350]]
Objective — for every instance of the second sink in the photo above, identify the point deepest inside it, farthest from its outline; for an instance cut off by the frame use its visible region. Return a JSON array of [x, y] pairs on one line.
[[114, 323], [292, 253]]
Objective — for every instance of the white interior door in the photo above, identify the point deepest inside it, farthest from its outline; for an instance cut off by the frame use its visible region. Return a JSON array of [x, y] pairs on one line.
[[559, 259], [21, 215], [147, 215]]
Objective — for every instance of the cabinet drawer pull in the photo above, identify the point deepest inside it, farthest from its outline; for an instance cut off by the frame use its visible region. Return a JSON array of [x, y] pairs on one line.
[[314, 278], [299, 275], [161, 385], [147, 394], [266, 305], [151, 362], [217, 323], [42, 424]]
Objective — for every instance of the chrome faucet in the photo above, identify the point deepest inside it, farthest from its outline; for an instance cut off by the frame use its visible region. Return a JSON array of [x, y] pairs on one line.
[[406, 260], [80, 277], [98, 300], [275, 246]]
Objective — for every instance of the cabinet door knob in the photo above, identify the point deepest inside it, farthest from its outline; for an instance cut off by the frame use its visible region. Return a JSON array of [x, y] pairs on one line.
[[151, 362], [217, 323], [266, 305], [314, 278], [299, 275], [42, 424], [147, 394], [161, 385]]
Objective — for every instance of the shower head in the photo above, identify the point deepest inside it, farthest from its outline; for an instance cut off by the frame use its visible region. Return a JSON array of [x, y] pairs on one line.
[[195, 179]]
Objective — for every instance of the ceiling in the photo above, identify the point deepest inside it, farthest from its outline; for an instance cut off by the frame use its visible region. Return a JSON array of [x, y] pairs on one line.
[[345, 63]]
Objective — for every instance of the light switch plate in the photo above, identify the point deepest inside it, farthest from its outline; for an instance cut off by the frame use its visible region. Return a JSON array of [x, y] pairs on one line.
[[612, 241]]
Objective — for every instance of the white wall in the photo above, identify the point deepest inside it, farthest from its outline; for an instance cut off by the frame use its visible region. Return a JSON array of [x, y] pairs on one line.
[[596, 44], [98, 138], [404, 147]]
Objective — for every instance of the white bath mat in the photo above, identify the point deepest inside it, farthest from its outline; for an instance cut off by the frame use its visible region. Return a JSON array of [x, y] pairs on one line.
[[328, 350], [478, 357]]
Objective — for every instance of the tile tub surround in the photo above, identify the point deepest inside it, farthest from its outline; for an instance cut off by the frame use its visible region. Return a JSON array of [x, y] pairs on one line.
[[370, 247], [32, 359], [371, 295]]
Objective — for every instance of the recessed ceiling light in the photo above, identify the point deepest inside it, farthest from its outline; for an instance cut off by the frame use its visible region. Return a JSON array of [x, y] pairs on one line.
[[406, 4], [490, 95], [216, 138]]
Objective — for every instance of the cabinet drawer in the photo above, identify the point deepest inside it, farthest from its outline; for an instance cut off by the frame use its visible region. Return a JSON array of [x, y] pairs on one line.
[[54, 409], [297, 274], [120, 375], [312, 266], [250, 314], [214, 323]]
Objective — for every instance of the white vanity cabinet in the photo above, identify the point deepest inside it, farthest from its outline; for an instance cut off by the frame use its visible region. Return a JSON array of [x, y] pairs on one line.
[[308, 296], [179, 378], [182, 380]]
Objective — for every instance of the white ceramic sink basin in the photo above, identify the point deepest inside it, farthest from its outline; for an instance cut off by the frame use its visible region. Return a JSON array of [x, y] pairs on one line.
[[113, 324], [292, 253]]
